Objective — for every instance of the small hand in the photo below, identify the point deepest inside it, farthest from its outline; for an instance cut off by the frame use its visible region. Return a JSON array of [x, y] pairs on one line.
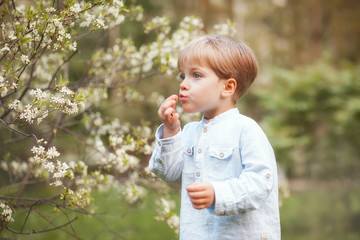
[[202, 194], [169, 116]]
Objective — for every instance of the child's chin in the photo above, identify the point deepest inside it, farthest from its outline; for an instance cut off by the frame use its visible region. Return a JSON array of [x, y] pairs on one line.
[[186, 110]]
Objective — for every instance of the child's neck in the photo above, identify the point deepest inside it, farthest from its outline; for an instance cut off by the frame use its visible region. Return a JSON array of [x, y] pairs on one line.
[[211, 114]]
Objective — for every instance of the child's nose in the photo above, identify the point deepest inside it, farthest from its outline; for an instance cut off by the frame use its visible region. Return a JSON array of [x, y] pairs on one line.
[[184, 85]]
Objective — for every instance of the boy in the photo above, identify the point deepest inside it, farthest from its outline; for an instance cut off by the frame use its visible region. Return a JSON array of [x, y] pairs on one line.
[[225, 162]]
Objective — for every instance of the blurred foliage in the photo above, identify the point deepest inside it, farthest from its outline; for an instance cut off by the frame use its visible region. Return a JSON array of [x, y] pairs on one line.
[[323, 211], [312, 115]]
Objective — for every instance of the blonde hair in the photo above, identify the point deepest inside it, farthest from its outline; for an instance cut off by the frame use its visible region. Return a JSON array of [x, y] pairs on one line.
[[225, 57]]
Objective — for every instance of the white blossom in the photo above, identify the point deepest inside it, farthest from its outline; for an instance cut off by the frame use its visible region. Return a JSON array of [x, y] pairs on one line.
[[75, 8], [66, 91], [88, 20], [52, 152], [49, 166], [40, 150], [174, 223], [5, 213], [5, 48], [25, 59], [12, 36], [38, 93], [133, 193], [115, 140], [14, 104], [73, 46], [50, 9], [29, 114], [118, 3], [100, 23]]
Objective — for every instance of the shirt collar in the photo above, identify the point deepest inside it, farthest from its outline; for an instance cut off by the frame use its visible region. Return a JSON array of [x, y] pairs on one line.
[[225, 115]]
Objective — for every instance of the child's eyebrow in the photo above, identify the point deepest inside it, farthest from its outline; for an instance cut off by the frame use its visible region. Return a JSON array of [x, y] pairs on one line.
[[197, 67]]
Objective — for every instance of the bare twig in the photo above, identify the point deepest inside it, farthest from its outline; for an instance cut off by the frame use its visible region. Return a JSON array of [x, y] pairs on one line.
[[50, 221], [72, 228], [17, 131], [27, 216], [40, 231]]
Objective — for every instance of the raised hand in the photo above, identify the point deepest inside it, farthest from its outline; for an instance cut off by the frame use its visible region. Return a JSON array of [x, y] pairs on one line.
[[169, 116]]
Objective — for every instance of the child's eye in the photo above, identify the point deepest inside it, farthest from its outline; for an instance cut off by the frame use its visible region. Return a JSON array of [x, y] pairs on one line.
[[182, 77], [196, 75]]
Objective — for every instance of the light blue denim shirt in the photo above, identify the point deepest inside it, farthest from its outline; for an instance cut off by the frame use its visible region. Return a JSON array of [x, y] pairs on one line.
[[232, 153]]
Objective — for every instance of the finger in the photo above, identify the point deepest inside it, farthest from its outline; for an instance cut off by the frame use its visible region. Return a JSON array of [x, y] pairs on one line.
[[173, 98], [196, 195], [196, 187], [199, 201], [176, 115], [169, 113], [164, 111], [167, 104], [199, 206]]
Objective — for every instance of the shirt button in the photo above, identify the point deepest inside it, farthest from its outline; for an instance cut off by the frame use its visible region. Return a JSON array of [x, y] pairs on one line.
[[205, 130], [199, 150], [207, 121], [268, 175], [221, 155], [222, 214], [243, 212], [188, 151], [161, 163], [159, 143], [198, 174]]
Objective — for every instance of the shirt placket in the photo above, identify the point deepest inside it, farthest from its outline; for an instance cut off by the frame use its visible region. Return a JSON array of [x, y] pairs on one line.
[[200, 152]]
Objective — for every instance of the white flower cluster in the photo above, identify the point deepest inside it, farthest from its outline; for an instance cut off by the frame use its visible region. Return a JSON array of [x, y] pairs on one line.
[[16, 168], [133, 192], [79, 198], [6, 85], [76, 8], [165, 213], [123, 140], [14, 104], [66, 101], [30, 113], [5, 48], [5, 213], [227, 29], [120, 160], [39, 94], [158, 24], [25, 59], [103, 16], [57, 171], [165, 50]]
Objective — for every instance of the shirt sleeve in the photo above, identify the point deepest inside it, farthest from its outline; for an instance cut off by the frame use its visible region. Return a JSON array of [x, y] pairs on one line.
[[252, 187], [166, 161]]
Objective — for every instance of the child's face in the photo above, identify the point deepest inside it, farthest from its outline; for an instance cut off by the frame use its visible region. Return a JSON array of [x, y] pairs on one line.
[[200, 90]]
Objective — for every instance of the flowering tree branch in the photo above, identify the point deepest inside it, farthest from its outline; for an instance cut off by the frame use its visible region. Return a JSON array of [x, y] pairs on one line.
[[39, 93]]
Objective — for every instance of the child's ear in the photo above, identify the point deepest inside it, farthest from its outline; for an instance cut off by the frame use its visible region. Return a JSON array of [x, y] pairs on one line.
[[229, 87]]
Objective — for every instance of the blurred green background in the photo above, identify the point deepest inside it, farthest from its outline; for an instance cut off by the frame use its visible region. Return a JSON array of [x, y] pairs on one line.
[[306, 97]]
